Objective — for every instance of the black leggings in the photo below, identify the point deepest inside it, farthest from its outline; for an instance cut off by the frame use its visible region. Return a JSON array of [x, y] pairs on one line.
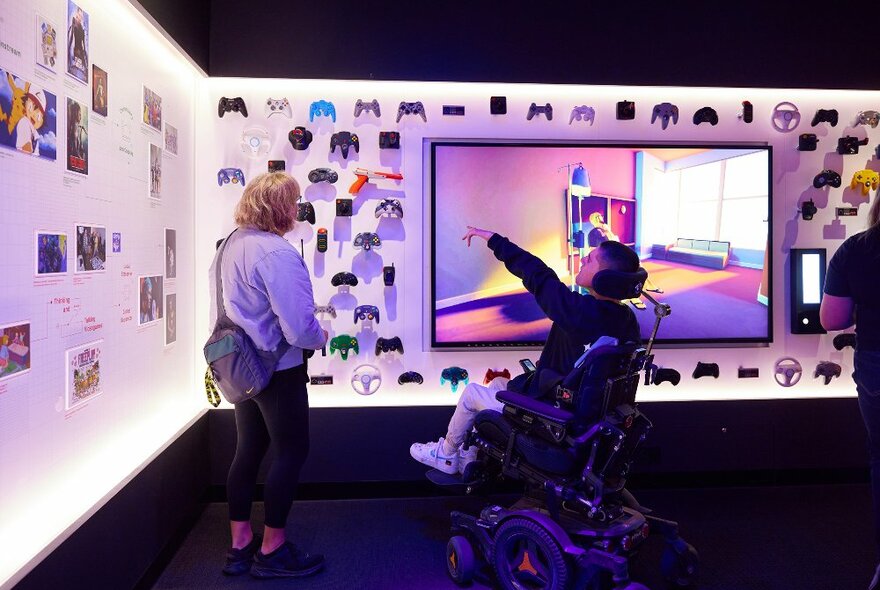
[[279, 416]]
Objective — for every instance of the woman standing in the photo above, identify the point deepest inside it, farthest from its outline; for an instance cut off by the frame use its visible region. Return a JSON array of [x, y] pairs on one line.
[[267, 292], [850, 293]]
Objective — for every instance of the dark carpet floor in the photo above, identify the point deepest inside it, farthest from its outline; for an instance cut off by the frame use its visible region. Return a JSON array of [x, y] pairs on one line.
[[763, 538]]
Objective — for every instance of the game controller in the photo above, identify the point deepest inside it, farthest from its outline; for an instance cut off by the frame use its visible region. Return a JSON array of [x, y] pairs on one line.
[[849, 145], [343, 343], [582, 113], [410, 377], [807, 142], [706, 115], [786, 117], [227, 175], [344, 278], [497, 105], [323, 175], [322, 108], [808, 209], [871, 118], [788, 371], [534, 109], [841, 341], [300, 138], [665, 111], [662, 375], [344, 139], [322, 239], [389, 140], [344, 208], [867, 179], [492, 374], [828, 370], [305, 212], [706, 370], [276, 166], [454, 375], [278, 106], [367, 241], [390, 207], [825, 116], [366, 380], [255, 142], [626, 110], [388, 275], [411, 108], [827, 177], [328, 309], [366, 312], [748, 112], [371, 107], [389, 345], [229, 105]]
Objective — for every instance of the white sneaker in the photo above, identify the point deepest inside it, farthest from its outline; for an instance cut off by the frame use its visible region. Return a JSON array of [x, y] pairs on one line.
[[466, 456], [875, 583], [431, 454]]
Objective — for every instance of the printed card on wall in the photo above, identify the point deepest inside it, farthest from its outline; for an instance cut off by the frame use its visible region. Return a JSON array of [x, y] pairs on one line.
[[28, 117], [47, 43], [83, 373], [51, 253], [77, 137], [152, 109], [170, 253], [117, 242], [91, 248], [15, 349], [150, 299], [171, 139], [155, 165], [99, 91], [170, 319], [77, 42]]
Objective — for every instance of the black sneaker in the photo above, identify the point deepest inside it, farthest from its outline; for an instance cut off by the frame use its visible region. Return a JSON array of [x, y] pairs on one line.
[[286, 562], [238, 561]]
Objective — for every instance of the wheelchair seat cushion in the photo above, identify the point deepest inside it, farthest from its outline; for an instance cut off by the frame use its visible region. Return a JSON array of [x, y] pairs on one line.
[[495, 429]]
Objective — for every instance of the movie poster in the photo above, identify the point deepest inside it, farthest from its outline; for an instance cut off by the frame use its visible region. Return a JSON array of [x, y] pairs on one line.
[[99, 91], [28, 117], [150, 299], [77, 137], [170, 253], [51, 249], [170, 319], [47, 43], [83, 373], [91, 248], [15, 349], [152, 109], [171, 139], [77, 42], [155, 165]]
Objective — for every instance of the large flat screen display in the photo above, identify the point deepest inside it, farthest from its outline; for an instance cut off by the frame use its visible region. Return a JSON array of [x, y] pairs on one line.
[[698, 216]]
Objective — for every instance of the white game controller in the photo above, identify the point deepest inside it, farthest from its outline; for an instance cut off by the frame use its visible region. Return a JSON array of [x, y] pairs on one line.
[[786, 117], [255, 141], [278, 106], [366, 380]]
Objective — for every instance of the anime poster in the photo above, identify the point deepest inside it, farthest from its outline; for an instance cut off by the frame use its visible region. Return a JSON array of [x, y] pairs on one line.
[[99, 91], [91, 248], [51, 249], [28, 117], [170, 319], [15, 349], [83, 373], [77, 137], [47, 43], [152, 109], [77, 42], [155, 165], [170, 253], [150, 300], [171, 139]]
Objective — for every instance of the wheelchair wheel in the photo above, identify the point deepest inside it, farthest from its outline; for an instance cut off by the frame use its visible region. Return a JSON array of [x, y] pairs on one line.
[[527, 557], [680, 566], [460, 560]]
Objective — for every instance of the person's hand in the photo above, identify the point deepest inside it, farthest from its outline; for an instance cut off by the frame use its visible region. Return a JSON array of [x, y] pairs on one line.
[[476, 232]]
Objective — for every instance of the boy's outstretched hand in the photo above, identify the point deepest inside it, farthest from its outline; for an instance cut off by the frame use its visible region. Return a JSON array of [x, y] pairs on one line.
[[476, 232]]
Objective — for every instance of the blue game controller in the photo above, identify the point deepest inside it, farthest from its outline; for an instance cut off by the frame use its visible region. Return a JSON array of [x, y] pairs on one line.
[[454, 375], [366, 312], [322, 108], [227, 175]]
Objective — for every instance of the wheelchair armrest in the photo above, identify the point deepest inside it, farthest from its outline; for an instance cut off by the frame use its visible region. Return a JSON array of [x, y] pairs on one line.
[[539, 408]]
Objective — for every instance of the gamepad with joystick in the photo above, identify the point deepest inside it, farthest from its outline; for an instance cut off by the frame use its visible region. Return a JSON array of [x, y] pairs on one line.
[[366, 313], [231, 105], [663, 375], [411, 108], [328, 309], [706, 115], [825, 116], [871, 118], [343, 343], [278, 106], [706, 370], [390, 207], [305, 212], [867, 179], [534, 109], [492, 374], [344, 139], [583, 113], [299, 138], [665, 111], [344, 278], [841, 341], [322, 108], [389, 140], [454, 375], [366, 379], [849, 145], [828, 370], [827, 177], [410, 377], [367, 241], [230, 175], [371, 107], [323, 175], [388, 345]]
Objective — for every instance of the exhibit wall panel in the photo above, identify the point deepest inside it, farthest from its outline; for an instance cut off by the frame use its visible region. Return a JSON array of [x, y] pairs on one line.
[[96, 288]]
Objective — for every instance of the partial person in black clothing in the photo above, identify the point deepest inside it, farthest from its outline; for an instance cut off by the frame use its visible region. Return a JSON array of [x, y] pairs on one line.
[[578, 321], [851, 298]]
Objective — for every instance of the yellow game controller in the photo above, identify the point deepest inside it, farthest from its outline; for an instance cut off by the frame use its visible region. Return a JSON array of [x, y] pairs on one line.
[[868, 179]]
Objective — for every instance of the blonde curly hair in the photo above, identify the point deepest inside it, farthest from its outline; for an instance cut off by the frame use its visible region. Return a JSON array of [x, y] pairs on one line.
[[269, 203]]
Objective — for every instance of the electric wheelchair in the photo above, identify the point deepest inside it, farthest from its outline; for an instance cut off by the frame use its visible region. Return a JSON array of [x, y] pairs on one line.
[[576, 526]]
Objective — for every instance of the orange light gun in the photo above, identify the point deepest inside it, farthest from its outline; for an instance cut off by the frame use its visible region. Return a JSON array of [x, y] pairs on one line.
[[363, 175]]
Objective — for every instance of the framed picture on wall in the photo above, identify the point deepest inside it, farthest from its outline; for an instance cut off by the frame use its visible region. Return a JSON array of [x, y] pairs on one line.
[[152, 110], [170, 139], [29, 115], [91, 248], [83, 374], [155, 167], [47, 43], [77, 137], [77, 42], [99, 91], [150, 299], [170, 253], [170, 319], [15, 349], [50, 253]]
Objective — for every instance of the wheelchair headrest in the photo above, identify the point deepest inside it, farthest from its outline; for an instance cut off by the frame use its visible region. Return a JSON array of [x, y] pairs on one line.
[[619, 285]]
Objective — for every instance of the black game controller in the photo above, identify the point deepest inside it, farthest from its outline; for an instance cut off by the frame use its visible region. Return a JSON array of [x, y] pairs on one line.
[[344, 139], [849, 145], [534, 109], [305, 212], [388, 275], [841, 341], [706, 370], [389, 345], [808, 209], [825, 116], [706, 115], [827, 177], [748, 113], [229, 105], [410, 377], [323, 175], [498, 105], [276, 166], [828, 370], [626, 110], [344, 278], [322, 239], [389, 140], [807, 142], [662, 375], [299, 138], [344, 208]]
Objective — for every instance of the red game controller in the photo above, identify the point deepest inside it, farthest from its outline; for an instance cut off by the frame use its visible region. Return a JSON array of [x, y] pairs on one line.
[[492, 373]]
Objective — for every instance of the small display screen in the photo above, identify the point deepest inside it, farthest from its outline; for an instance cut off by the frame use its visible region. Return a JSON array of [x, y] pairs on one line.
[[811, 277]]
